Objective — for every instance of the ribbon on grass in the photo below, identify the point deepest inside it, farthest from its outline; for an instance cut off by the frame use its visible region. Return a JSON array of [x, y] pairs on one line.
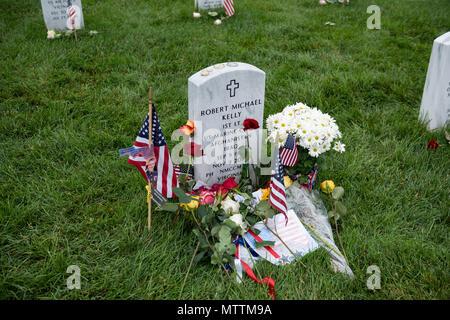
[[267, 280]]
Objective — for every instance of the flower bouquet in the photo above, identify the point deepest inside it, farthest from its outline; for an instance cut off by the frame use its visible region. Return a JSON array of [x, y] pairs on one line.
[[223, 215], [309, 130]]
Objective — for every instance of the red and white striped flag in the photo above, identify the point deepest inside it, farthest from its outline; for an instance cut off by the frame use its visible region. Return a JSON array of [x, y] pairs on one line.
[[289, 153], [277, 196], [228, 6], [166, 178], [72, 14]]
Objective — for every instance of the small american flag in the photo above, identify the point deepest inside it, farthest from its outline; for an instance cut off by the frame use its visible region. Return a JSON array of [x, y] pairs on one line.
[[277, 197], [289, 153], [311, 180], [179, 170], [144, 152], [72, 13], [228, 6], [166, 178]]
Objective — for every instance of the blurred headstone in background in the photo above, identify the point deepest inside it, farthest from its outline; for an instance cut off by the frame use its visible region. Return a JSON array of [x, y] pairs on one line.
[[435, 107]]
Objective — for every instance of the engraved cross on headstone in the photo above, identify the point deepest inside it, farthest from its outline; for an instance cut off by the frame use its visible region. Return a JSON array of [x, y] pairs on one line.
[[232, 86]]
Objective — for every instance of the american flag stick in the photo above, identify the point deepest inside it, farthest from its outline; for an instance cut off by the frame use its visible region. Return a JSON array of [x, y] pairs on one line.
[[72, 14], [74, 30], [150, 106]]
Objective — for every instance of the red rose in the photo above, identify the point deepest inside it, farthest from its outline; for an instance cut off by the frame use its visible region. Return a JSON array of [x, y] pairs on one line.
[[193, 149], [223, 192], [230, 183], [432, 145], [250, 124]]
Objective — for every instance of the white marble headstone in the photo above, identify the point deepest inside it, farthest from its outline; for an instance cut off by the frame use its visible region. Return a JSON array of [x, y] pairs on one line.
[[208, 4], [435, 106], [221, 97], [56, 15]]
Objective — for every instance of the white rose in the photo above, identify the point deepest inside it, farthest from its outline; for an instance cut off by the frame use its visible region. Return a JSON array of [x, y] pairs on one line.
[[237, 218], [196, 15], [218, 21], [230, 206]]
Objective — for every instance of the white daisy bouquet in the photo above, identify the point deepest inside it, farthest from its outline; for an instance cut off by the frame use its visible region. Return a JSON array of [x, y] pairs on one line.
[[312, 129]]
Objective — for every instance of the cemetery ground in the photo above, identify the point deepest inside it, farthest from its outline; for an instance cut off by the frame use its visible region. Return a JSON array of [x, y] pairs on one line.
[[66, 108]]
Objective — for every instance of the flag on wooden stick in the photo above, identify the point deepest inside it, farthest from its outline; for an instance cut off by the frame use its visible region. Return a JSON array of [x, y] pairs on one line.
[[165, 178], [277, 197], [183, 171]]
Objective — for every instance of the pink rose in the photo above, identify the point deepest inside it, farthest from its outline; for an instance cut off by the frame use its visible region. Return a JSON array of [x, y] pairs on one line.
[[207, 197]]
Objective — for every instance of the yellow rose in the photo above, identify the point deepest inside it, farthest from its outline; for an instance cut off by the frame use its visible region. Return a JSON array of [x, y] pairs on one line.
[[265, 193], [191, 205], [327, 186], [287, 181]]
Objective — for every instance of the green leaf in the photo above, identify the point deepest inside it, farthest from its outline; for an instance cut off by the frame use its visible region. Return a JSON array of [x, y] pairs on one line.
[[251, 220], [202, 212], [230, 224], [191, 183], [263, 211], [264, 244], [215, 230], [182, 196], [215, 258], [341, 209], [331, 214], [230, 248], [169, 206], [337, 193], [225, 234], [255, 231], [181, 179], [199, 256]]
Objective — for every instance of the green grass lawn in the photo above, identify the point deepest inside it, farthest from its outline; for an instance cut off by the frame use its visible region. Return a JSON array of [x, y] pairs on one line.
[[66, 198]]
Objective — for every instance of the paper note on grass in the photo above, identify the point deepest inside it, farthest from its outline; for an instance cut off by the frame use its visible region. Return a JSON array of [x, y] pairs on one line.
[[297, 240]]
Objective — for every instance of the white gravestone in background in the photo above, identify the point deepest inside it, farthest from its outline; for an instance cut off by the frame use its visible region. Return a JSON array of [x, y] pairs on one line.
[[208, 4], [221, 97], [56, 15], [435, 107]]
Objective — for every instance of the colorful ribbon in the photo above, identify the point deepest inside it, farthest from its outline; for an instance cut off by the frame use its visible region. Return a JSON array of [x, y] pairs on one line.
[[267, 280]]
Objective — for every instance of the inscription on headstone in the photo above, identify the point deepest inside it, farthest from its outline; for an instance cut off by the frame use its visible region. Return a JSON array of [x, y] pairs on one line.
[[208, 4], [221, 97], [435, 106], [56, 14]]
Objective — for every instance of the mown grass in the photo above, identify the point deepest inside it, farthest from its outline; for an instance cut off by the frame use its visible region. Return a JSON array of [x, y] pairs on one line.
[[66, 108]]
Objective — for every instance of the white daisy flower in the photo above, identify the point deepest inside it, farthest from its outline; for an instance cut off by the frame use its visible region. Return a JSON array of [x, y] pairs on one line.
[[339, 147]]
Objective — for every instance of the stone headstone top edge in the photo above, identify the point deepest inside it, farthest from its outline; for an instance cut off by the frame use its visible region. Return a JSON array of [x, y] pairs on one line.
[[225, 67], [444, 39]]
